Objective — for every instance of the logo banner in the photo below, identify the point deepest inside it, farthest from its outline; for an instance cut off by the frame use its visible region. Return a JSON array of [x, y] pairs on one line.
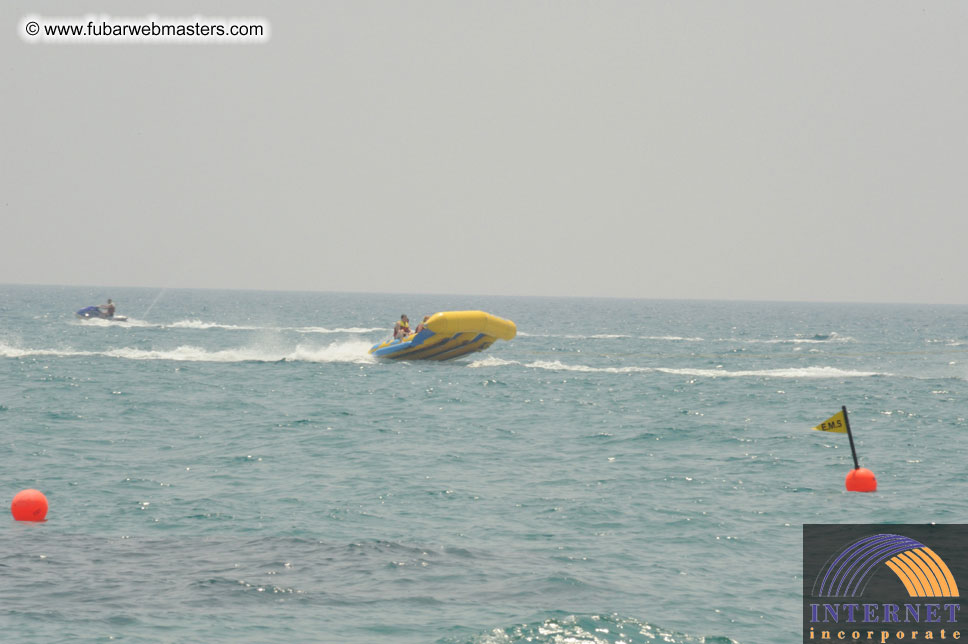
[[884, 583]]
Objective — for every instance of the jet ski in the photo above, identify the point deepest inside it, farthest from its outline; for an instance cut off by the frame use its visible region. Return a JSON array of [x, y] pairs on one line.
[[447, 335], [96, 313]]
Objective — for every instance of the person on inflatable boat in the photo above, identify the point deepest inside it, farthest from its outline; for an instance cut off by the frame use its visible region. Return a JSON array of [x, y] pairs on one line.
[[402, 328]]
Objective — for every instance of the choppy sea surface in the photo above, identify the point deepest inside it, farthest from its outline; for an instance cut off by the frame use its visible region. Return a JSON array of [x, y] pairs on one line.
[[232, 466]]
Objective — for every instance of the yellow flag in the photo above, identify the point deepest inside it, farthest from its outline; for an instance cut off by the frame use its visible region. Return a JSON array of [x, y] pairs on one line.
[[835, 423]]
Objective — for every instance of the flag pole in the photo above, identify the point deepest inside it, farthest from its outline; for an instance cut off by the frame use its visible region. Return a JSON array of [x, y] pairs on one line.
[[850, 436]]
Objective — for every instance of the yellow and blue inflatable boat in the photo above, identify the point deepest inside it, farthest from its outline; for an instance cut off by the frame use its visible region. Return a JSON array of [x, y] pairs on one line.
[[447, 335]]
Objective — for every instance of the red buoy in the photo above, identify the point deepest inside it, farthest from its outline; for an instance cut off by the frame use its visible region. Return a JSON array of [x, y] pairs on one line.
[[29, 505], [861, 479]]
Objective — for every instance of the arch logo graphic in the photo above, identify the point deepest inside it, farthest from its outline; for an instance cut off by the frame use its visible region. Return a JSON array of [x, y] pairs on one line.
[[919, 568], [883, 583]]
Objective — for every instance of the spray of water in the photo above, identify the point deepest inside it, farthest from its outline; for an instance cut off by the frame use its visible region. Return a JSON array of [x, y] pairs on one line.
[[155, 301]]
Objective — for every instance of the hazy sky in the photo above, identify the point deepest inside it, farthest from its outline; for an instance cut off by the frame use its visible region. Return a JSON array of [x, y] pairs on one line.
[[727, 150]]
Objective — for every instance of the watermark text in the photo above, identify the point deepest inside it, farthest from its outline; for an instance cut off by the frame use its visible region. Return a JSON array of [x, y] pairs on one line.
[[105, 29]]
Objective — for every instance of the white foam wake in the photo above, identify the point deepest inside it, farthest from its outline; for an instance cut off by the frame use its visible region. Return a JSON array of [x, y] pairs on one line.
[[354, 351], [7, 351], [124, 324], [610, 336], [352, 329], [800, 372], [203, 325], [817, 339], [832, 337], [199, 324], [491, 361]]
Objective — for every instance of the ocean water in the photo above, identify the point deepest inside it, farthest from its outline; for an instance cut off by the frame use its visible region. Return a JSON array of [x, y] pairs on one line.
[[233, 467]]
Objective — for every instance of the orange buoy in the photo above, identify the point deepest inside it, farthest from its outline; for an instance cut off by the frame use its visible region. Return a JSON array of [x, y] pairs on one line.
[[861, 479], [29, 505]]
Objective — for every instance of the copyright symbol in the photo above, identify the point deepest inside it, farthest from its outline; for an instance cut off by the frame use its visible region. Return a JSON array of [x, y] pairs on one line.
[[32, 28]]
